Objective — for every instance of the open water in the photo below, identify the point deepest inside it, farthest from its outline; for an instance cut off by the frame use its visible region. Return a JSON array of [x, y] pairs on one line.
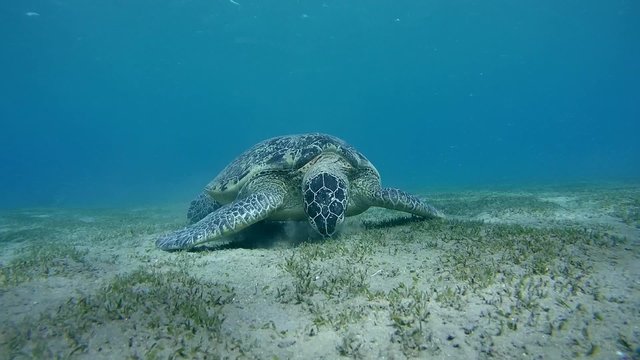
[[109, 103]]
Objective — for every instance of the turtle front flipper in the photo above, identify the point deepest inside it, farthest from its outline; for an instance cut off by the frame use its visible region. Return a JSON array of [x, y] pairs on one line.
[[200, 207], [397, 199], [225, 221]]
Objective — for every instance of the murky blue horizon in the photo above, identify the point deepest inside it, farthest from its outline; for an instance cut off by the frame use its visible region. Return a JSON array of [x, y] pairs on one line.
[[143, 102]]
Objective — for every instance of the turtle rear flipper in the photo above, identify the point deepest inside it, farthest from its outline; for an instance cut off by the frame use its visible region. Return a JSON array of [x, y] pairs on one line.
[[200, 207], [397, 199], [226, 220]]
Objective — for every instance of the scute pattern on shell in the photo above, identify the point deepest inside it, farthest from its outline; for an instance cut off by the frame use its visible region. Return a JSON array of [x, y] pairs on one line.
[[282, 153]]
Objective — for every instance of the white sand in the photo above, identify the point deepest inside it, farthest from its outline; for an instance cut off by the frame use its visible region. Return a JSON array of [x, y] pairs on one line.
[[413, 289]]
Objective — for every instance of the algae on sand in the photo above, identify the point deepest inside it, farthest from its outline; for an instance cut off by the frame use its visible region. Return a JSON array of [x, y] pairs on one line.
[[549, 272]]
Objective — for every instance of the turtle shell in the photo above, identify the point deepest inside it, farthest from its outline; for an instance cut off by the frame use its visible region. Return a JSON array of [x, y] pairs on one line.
[[283, 153]]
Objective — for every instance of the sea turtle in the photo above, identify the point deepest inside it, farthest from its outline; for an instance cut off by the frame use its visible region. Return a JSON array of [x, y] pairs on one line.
[[309, 176]]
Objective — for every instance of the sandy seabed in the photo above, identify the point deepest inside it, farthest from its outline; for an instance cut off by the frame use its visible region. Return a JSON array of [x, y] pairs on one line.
[[542, 273]]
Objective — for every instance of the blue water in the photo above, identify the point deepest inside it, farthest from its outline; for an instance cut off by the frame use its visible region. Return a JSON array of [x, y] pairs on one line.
[[106, 103]]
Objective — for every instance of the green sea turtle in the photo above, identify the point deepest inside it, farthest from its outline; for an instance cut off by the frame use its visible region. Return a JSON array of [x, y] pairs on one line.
[[310, 176]]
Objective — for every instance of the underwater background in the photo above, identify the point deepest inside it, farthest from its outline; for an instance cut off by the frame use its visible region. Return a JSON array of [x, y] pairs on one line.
[[109, 103]]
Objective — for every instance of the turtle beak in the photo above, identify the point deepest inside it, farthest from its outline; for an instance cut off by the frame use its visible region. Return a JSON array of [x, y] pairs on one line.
[[325, 202]]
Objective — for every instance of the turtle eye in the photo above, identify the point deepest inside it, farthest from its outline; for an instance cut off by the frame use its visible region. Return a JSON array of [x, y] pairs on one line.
[[325, 202]]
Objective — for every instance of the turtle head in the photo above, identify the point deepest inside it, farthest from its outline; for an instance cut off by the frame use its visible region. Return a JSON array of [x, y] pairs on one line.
[[325, 197]]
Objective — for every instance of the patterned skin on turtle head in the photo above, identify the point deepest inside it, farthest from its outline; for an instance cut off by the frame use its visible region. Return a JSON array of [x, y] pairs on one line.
[[325, 202]]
